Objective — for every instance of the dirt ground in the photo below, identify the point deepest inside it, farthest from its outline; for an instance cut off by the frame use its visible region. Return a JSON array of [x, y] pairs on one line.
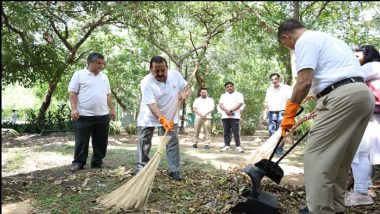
[[30, 159]]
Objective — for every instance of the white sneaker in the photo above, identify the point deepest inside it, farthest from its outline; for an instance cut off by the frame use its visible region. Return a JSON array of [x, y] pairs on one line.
[[239, 149], [356, 199], [225, 148]]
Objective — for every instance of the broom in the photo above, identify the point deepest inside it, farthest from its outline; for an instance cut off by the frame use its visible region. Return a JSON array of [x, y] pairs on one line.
[[133, 195], [267, 148]]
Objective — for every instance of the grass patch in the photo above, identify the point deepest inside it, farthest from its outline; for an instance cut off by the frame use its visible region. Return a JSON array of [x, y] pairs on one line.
[[65, 149], [16, 161]]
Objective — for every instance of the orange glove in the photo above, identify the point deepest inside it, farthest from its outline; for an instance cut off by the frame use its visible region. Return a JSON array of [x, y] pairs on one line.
[[168, 125], [289, 114]]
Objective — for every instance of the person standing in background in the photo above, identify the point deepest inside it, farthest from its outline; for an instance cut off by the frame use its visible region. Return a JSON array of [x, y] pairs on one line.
[[91, 109], [203, 106], [274, 105], [230, 104]]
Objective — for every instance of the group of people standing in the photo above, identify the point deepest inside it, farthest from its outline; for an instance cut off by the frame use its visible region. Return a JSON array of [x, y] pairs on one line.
[[344, 132]]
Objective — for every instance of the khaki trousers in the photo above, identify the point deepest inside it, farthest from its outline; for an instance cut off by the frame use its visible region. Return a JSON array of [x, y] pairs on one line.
[[341, 120], [206, 124]]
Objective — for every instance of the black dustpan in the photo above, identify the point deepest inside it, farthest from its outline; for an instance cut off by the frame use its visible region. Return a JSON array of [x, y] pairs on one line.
[[271, 169], [258, 201]]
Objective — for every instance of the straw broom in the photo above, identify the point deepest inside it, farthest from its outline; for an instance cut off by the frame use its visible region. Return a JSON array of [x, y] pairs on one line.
[[266, 149], [133, 195]]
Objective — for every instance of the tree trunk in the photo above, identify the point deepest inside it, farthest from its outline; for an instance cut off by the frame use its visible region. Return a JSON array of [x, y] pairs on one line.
[[118, 100], [46, 103], [296, 10]]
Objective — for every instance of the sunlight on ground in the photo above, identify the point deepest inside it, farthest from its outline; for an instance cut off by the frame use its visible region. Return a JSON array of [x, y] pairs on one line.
[[39, 161], [41, 153], [17, 208]]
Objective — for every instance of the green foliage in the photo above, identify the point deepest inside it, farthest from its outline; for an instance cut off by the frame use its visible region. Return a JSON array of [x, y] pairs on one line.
[[247, 128], [236, 42], [57, 119], [115, 127], [304, 127], [131, 129]]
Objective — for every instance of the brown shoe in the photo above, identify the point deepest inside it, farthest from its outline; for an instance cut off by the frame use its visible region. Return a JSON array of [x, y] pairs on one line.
[[76, 167]]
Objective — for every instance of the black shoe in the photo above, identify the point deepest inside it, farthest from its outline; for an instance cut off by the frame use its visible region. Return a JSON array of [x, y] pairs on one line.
[[100, 166], [304, 211], [75, 167], [195, 146], [176, 175], [207, 146]]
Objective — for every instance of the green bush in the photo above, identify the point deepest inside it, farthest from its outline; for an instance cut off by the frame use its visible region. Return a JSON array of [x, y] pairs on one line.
[[57, 119], [115, 127], [248, 128], [131, 129]]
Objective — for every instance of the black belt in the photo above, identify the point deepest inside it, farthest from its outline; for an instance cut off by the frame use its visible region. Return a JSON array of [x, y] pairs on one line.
[[338, 84]]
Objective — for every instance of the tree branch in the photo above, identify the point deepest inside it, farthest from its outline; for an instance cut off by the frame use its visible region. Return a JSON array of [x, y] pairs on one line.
[[321, 10], [10, 27], [80, 56], [307, 8], [118, 100], [261, 21], [62, 38]]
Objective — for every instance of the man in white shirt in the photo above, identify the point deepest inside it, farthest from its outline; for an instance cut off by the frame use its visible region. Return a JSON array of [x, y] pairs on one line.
[[328, 67], [203, 106], [161, 90], [274, 105], [14, 116], [230, 104], [91, 106]]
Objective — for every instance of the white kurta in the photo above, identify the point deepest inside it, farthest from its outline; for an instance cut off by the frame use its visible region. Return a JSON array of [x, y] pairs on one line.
[[371, 139]]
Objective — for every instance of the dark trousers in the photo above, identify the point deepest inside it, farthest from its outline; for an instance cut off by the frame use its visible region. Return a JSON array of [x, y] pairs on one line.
[[97, 127], [144, 143], [228, 125]]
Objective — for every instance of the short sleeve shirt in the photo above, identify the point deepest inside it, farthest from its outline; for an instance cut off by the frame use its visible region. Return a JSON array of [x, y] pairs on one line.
[[204, 105], [92, 92], [331, 59], [229, 101], [164, 94], [276, 97]]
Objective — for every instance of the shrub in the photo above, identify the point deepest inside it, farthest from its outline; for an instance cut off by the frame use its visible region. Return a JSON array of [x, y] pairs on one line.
[[131, 129], [57, 119], [115, 127]]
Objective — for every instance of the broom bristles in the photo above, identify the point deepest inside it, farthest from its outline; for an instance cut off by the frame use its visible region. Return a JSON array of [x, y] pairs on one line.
[[133, 195], [265, 149]]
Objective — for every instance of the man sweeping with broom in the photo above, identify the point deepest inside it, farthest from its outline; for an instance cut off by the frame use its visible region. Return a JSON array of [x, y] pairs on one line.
[[161, 91]]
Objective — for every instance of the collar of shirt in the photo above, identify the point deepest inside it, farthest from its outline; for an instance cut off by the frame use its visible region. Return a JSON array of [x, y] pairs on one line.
[[90, 73]]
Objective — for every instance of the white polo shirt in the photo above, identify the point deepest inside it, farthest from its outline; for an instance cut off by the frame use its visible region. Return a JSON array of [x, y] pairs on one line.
[[165, 95], [203, 106], [276, 98], [230, 101], [331, 59], [92, 92]]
